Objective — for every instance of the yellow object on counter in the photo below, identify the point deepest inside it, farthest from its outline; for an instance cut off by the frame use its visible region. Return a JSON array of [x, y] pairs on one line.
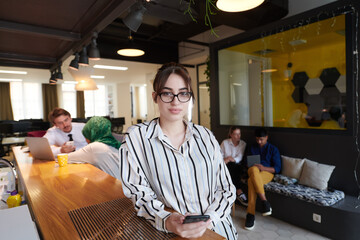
[[62, 159], [14, 200]]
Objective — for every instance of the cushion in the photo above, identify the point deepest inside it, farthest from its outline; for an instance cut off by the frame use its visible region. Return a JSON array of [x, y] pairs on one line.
[[301, 192], [316, 175], [284, 179], [292, 167]]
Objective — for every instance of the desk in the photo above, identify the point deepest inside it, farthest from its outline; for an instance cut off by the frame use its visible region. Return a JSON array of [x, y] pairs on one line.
[[13, 140], [8, 141], [52, 192]]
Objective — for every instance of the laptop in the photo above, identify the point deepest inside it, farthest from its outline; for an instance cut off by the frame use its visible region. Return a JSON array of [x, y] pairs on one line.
[[40, 148], [253, 159]]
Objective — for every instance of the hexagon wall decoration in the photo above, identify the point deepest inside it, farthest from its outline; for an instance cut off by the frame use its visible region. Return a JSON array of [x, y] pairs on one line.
[[341, 84], [329, 76], [314, 86], [300, 79]]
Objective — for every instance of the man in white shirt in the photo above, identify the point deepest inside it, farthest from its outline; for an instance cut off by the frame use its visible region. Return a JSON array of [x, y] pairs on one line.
[[65, 136]]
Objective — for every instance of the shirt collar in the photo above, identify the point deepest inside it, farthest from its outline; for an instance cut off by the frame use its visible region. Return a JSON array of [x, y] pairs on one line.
[[155, 131]]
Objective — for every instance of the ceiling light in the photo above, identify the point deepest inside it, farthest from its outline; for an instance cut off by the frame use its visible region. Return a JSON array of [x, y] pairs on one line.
[[97, 77], [86, 84], [84, 60], [237, 5], [59, 75], [74, 64], [52, 79], [94, 53], [111, 67], [269, 70], [134, 19], [13, 72], [10, 80], [70, 82], [131, 49]]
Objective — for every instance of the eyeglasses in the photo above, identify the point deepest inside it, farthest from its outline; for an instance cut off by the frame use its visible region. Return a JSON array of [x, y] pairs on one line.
[[168, 97]]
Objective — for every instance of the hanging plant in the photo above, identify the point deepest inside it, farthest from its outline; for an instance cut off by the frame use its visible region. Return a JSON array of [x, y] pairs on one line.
[[210, 5], [207, 73]]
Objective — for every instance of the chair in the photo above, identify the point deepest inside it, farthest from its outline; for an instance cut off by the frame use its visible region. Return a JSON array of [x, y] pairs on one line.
[[38, 133]]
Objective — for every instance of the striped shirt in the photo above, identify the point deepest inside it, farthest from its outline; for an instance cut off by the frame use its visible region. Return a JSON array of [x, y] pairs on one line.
[[193, 179]]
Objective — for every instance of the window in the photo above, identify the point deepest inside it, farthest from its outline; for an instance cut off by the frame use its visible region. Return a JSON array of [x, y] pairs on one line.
[[69, 98], [26, 100], [293, 78], [96, 103]]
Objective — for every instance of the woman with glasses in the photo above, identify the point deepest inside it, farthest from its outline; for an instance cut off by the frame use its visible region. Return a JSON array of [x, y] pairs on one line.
[[172, 163]]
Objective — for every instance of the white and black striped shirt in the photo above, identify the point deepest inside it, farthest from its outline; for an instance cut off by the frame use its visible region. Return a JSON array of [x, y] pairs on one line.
[[193, 179]]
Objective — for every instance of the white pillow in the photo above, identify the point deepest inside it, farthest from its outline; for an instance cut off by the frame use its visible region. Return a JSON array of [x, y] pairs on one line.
[[292, 167], [316, 175]]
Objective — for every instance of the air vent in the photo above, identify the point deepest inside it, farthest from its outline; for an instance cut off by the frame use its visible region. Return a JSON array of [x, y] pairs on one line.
[[264, 51], [297, 42]]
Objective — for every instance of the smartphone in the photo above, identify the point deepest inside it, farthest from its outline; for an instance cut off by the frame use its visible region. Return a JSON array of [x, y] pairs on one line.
[[196, 218]]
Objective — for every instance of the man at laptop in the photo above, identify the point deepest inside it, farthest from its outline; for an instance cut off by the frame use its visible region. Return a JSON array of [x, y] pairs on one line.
[[65, 136], [260, 174]]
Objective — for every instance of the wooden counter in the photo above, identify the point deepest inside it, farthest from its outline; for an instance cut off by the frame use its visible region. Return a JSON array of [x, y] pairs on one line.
[[52, 192]]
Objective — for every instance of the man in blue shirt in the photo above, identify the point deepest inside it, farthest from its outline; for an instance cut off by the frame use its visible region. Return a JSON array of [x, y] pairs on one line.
[[261, 174]]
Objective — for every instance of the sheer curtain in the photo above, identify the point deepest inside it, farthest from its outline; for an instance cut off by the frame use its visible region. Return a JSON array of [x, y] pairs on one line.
[[26, 100], [6, 112], [96, 103]]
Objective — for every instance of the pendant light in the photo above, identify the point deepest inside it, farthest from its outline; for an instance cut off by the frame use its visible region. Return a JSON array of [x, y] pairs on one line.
[[237, 5], [84, 59], [74, 64], [132, 49], [94, 53]]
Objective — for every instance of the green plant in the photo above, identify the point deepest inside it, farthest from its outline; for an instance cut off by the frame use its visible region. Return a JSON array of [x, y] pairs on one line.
[[210, 5], [207, 73]]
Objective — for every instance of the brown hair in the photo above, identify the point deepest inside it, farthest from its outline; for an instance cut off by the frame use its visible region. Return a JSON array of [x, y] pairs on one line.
[[232, 129], [57, 112], [165, 71]]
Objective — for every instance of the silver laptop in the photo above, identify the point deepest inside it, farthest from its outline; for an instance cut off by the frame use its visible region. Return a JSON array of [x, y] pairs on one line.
[[253, 159], [40, 148]]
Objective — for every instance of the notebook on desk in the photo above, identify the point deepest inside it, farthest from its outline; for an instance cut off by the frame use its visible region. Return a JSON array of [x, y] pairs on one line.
[[40, 148], [253, 159]]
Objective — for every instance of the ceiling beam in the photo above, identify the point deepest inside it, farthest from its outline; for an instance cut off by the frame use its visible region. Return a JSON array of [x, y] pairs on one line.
[[40, 31], [27, 58]]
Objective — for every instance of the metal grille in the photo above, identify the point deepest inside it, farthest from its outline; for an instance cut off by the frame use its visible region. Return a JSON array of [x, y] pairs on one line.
[[115, 219]]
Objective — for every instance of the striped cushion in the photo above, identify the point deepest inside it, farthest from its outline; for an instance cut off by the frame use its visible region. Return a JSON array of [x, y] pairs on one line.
[[308, 194]]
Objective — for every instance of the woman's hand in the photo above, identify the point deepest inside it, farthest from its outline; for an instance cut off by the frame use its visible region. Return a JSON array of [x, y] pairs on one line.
[[229, 159], [174, 223]]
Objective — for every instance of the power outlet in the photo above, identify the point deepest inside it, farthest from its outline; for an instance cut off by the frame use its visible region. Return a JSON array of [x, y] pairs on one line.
[[317, 218]]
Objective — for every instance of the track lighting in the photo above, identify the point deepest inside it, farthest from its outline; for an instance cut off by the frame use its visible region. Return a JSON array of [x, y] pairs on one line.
[[94, 53], [83, 60], [52, 79], [74, 64], [134, 19], [59, 75]]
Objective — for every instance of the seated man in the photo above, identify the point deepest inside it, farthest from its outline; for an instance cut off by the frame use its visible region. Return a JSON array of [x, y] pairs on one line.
[[261, 174], [232, 150], [64, 136]]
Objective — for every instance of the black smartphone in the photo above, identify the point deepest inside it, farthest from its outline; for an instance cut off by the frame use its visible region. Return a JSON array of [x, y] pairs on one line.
[[196, 218]]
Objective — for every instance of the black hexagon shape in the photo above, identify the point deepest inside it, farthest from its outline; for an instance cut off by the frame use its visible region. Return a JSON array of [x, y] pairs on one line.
[[299, 94], [331, 96], [329, 76], [300, 79]]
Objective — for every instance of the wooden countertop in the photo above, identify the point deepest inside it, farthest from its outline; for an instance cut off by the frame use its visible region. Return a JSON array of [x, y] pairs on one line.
[[53, 191]]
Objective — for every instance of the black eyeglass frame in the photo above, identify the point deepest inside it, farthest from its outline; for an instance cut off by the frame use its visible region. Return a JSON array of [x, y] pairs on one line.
[[175, 95]]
